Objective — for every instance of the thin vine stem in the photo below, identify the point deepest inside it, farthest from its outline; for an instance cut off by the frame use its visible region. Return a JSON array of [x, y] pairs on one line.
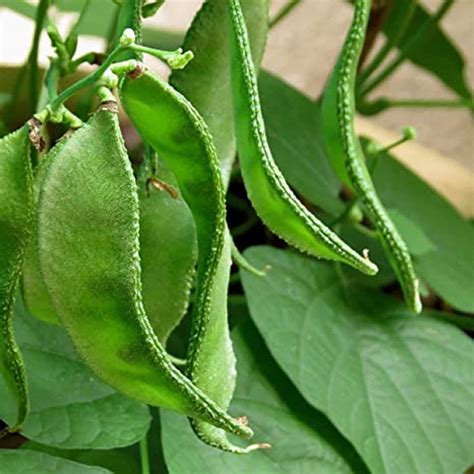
[[393, 66], [144, 458], [429, 103], [87, 80], [285, 10], [41, 14]]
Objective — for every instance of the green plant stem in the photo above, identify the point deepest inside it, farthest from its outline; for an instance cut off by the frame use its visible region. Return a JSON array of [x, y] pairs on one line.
[[285, 10], [90, 58], [392, 67], [87, 80], [387, 47], [144, 458], [41, 14], [52, 80], [343, 215], [429, 103]]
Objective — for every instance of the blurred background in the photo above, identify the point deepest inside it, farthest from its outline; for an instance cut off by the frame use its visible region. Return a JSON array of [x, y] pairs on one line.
[[302, 49]]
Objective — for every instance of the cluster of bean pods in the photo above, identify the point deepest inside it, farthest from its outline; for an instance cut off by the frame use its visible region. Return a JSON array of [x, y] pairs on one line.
[[114, 254]]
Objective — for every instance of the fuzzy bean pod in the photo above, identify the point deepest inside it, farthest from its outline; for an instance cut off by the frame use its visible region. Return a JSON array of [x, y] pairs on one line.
[[168, 252], [345, 152], [170, 124], [206, 80], [168, 248], [88, 240], [272, 198], [16, 214]]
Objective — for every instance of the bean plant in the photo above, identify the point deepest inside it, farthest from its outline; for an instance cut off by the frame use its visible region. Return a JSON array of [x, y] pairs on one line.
[[136, 333]]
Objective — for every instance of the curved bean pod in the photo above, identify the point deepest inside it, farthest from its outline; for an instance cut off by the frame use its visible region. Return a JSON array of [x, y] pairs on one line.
[[168, 249], [206, 80], [16, 214], [88, 240], [342, 144], [168, 253], [34, 291], [272, 198], [171, 125]]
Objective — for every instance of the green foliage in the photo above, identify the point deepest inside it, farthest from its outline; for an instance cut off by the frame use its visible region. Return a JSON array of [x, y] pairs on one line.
[[447, 64], [25, 462], [122, 231], [293, 128], [70, 407], [377, 372], [446, 264], [302, 439]]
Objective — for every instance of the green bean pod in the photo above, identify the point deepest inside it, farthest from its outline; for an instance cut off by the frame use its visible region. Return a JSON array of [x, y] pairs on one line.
[[168, 253], [345, 152], [272, 198], [206, 80], [16, 214], [88, 241], [171, 125], [34, 291], [168, 248]]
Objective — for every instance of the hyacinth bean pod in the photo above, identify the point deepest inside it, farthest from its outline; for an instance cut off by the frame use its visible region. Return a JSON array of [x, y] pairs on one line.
[[16, 214], [345, 152], [272, 198], [88, 239]]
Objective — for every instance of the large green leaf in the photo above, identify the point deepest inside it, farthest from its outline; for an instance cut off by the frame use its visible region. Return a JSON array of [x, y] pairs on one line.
[[302, 439], [400, 387], [119, 461], [70, 408], [433, 51], [446, 262], [293, 129], [31, 462], [206, 79]]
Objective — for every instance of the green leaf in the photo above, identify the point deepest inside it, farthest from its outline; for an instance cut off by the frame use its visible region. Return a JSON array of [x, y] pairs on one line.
[[98, 19], [294, 132], [398, 386], [119, 461], [70, 408], [205, 81], [447, 268], [20, 6], [30, 462], [433, 52], [302, 438]]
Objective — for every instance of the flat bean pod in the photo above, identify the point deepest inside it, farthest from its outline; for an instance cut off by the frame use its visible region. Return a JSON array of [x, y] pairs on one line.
[[16, 214], [171, 125], [168, 253], [88, 239], [344, 149], [168, 248], [34, 291], [272, 198], [206, 80]]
